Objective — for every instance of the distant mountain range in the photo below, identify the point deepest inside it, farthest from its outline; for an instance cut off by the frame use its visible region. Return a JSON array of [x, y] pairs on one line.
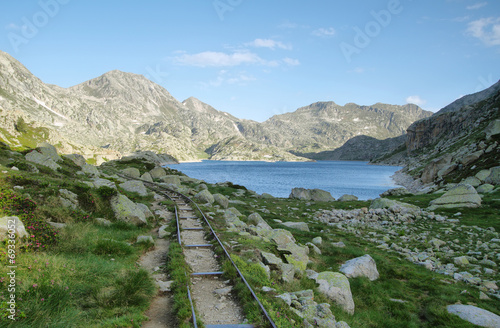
[[119, 113]]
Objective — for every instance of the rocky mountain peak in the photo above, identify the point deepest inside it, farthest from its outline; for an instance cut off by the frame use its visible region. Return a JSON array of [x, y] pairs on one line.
[[470, 99]]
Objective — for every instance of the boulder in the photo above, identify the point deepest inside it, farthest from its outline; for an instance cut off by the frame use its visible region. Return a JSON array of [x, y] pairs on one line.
[[485, 188], [49, 151], [473, 181], [483, 174], [363, 266], [319, 195], [335, 286], [132, 172], [314, 248], [145, 239], [38, 158], [447, 169], [68, 199], [11, 224], [430, 172], [271, 260], [145, 209], [317, 241], [266, 196], [221, 200], [91, 170], [134, 186], [395, 206], [494, 177], [232, 219], [461, 261], [172, 179], [293, 253], [204, 196], [127, 211], [77, 159], [258, 221], [300, 193], [471, 158], [347, 198], [493, 129], [287, 272], [302, 226], [147, 177], [475, 315], [401, 191], [462, 195], [158, 172], [98, 182]]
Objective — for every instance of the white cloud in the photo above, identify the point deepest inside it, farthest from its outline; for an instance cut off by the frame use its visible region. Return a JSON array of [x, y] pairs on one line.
[[291, 61], [224, 77], [269, 43], [218, 59], [324, 32], [486, 29], [477, 6], [417, 100]]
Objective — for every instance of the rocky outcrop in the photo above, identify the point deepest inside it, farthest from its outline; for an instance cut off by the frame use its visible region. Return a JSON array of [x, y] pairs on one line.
[[45, 155], [221, 200], [302, 226], [134, 186], [205, 196], [68, 199], [336, 287]]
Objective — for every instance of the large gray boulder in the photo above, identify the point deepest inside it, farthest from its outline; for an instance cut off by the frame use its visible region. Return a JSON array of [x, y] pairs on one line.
[[395, 206], [98, 182], [336, 287], [11, 224], [258, 221], [158, 172], [132, 172], [221, 200], [316, 195], [204, 196], [127, 211], [49, 151], [68, 199], [494, 177], [475, 315], [363, 266], [300, 193], [347, 198], [430, 172], [39, 158], [171, 179], [147, 177], [462, 195], [493, 129], [77, 159], [134, 186], [88, 169]]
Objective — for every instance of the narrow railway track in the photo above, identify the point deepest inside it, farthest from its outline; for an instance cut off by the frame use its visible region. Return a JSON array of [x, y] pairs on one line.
[[195, 234]]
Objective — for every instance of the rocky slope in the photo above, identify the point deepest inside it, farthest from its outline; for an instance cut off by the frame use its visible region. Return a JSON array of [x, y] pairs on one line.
[[123, 112]]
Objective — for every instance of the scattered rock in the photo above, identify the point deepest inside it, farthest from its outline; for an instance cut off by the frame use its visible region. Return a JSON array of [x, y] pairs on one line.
[[475, 315], [157, 172], [38, 158], [162, 232], [98, 182], [363, 266], [485, 188], [68, 199], [401, 191], [205, 196], [316, 195], [171, 179], [147, 177], [317, 241], [339, 244], [494, 177], [347, 198], [258, 221], [127, 211], [132, 172], [221, 200], [164, 286], [145, 239], [461, 261]]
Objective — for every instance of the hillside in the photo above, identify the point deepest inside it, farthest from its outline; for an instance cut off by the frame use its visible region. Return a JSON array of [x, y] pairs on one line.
[[119, 113]]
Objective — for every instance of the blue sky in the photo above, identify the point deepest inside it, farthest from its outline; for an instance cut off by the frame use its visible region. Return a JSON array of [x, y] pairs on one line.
[[258, 58]]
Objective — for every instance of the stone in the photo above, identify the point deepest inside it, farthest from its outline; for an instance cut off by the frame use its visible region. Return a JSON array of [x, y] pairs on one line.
[[317, 241], [314, 248], [461, 260], [363, 266], [132, 172], [483, 174], [494, 177], [401, 191], [302, 226], [447, 169], [475, 315], [11, 224], [145, 209], [436, 243], [103, 222], [336, 287], [339, 244], [287, 272], [483, 296], [127, 211], [258, 221], [134, 186], [172, 179], [266, 196], [342, 324], [145, 239], [91, 170], [221, 200], [204, 196], [317, 195], [164, 286], [158, 172], [347, 198], [471, 158], [462, 195], [430, 172], [49, 151], [98, 182], [162, 231], [68, 199], [485, 188], [77, 159], [271, 260], [147, 177], [39, 158], [473, 181], [395, 206], [493, 129]]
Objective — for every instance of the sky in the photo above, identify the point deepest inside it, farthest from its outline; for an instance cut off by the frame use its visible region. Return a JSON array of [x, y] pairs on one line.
[[259, 58]]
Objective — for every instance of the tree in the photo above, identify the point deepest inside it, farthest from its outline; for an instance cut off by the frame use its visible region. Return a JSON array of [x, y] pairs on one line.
[[21, 125]]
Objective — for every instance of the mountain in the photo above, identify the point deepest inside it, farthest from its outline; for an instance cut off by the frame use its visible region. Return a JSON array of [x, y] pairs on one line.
[[458, 141], [119, 113]]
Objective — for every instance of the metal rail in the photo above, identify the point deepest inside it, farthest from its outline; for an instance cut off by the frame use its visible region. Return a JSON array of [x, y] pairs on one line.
[[165, 191]]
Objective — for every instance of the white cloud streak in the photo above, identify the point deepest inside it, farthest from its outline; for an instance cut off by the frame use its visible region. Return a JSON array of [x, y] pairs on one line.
[[218, 59], [269, 43], [476, 6], [324, 32], [485, 29], [417, 100]]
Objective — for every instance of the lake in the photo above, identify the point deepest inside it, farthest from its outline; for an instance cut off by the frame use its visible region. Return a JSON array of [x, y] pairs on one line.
[[278, 178]]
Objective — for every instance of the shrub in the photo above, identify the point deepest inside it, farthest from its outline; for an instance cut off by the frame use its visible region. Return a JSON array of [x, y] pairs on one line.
[[106, 192]]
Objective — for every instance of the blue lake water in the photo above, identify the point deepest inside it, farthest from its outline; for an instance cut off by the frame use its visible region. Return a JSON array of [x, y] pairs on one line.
[[278, 178]]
